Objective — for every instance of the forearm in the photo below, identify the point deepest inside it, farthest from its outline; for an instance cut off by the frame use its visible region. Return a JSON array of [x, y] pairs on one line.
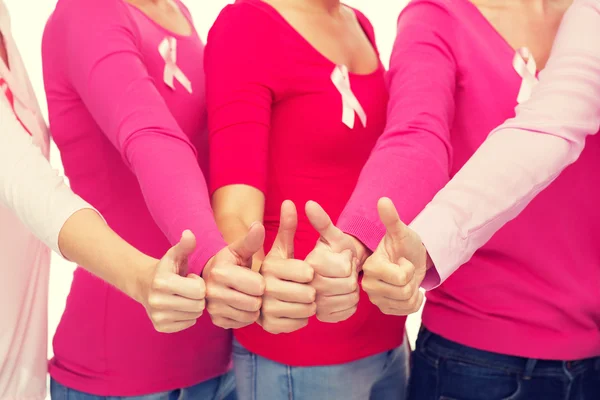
[[86, 239]]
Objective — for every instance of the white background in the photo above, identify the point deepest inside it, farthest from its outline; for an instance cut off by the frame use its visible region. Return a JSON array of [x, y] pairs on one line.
[[28, 19]]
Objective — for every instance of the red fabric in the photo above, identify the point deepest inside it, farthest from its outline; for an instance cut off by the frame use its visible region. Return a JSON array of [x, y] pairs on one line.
[[275, 121]]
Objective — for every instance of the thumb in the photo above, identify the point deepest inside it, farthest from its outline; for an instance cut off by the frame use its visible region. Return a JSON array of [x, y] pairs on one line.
[[395, 228], [330, 233], [288, 222], [246, 247], [178, 254]]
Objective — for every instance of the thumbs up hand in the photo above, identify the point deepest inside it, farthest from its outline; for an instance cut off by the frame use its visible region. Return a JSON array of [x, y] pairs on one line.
[[173, 301], [289, 299], [335, 262], [394, 272], [233, 291]]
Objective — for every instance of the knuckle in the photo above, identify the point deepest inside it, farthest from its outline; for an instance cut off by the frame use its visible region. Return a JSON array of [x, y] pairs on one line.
[[200, 306], [311, 294], [218, 274], [154, 301], [256, 304], [159, 283], [308, 273]]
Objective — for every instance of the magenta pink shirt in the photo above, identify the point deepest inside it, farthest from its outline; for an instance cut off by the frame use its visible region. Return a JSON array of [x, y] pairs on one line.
[[127, 143], [532, 290], [276, 125], [524, 154]]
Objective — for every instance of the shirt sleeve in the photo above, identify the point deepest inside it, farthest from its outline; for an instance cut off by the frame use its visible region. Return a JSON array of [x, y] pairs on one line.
[[525, 154], [410, 162], [238, 67], [28, 184], [104, 65]]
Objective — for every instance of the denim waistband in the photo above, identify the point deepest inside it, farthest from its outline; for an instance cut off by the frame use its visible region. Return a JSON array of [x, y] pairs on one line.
[[430, 344]]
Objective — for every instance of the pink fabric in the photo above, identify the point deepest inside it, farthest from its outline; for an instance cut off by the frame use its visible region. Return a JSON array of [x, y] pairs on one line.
[[126, 142], [532, 290]]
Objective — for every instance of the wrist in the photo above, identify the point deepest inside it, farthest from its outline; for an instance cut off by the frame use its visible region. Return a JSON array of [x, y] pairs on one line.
[[138, 282]]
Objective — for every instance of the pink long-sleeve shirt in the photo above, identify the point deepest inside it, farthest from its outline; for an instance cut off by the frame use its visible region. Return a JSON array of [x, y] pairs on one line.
[[532, 290], [502, 178], [34, 205], [127, 143]]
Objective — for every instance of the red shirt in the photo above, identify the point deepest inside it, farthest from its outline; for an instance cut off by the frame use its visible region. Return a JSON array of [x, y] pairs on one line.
[[275, 120]]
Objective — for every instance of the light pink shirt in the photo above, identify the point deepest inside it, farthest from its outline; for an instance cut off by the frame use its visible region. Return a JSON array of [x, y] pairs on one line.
[[34, 205], [526, 153]]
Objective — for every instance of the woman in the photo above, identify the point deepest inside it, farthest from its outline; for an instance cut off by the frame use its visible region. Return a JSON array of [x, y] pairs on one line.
[[39, 209], [128, 77], [296, 90], [520, 319]]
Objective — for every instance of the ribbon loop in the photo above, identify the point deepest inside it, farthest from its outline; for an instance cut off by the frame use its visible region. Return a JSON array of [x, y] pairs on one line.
[[168, 50], [525, 65], [351, 105]]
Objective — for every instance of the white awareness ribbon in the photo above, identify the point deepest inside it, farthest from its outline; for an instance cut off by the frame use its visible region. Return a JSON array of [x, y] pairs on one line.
[[525, 65], [351, 105], [168, 50]]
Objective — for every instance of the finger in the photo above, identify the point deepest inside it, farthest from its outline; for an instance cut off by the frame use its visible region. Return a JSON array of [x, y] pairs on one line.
[[246, 247], [390, 219], [331, 265], [329, 233], [282, 325], [225, 311], [227, 323], [240, 279], [175, 326], [191, 287], [290, 291], [331, 304], [334, 286], [282, 309], [233, 298], [288, 223], [400, 308], [395, 274], [289, 270], [175, 260], [167, 317], [376, 287], [169, 302], [336, 316]]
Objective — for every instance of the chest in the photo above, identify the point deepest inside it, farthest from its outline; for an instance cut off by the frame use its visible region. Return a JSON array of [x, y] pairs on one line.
[[339, 38], [318, 129], [522, 27], [175, 65]]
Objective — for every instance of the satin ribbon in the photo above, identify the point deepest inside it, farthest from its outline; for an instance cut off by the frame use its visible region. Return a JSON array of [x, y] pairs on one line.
[[525, 65], [351, 105], [168, 50]]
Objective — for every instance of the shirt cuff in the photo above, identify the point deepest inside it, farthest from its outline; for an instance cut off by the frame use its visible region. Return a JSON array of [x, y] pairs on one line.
[[368, 232], [445, 245], [199, 258], [66, 204]]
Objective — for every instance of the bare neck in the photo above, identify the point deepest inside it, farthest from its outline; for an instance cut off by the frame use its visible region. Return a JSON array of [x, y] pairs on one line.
[[328, 6]]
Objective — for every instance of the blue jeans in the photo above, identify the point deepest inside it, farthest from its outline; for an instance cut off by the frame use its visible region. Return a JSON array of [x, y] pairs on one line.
[[380, 377], [445, 370], [220, 388]]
